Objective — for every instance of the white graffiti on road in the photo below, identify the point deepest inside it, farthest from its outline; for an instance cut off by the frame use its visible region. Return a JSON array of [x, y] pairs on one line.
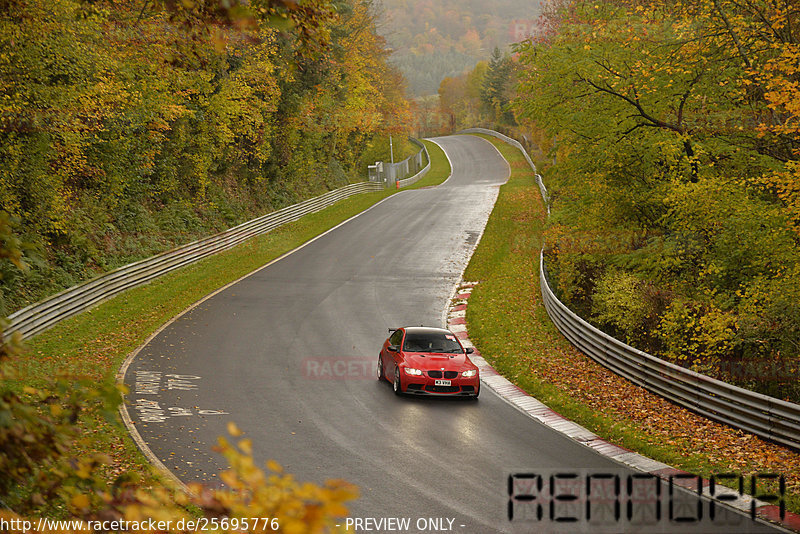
[[154, 383]]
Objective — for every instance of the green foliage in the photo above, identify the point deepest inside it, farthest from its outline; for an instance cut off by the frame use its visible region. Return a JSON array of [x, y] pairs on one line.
[[673, 219], [496, 88], [617, 302], [460, 98], [378, 149], [40, 439], [128, 130], [480, 97], [695, 335], [51, 431], [509, 324], [39, 427]]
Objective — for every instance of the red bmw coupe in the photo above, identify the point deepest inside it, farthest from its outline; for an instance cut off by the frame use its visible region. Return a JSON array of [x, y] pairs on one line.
[[428, 361]]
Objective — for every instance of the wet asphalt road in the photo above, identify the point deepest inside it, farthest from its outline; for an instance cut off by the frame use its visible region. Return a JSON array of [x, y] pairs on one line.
[[289, 354]]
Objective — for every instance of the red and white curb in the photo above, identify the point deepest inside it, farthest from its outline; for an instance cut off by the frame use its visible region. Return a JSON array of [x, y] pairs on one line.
[[456, 322]]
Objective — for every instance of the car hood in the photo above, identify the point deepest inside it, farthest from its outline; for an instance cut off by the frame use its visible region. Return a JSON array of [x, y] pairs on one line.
[[426, 362]]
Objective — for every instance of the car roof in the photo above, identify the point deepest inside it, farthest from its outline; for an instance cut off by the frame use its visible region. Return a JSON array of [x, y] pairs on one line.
[[425, 330]]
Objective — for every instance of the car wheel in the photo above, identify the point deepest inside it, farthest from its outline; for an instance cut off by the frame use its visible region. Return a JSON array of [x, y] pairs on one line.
[[477, 392], [381, 376], [396, 385]]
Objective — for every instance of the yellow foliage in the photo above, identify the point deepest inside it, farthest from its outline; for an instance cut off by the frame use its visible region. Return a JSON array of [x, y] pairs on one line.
[[696, 334], [233, 430], [252, 502]]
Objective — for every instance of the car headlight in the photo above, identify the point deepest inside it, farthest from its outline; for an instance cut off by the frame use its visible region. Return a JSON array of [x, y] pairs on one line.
[[412, 371], [469, 373]]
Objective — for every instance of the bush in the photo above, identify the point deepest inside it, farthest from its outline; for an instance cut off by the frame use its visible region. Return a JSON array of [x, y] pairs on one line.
[[47, 473]]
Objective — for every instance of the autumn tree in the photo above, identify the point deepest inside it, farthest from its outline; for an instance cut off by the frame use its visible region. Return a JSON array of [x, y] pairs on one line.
[[674, 223], [125, 129], [460, 98], [130, 128]]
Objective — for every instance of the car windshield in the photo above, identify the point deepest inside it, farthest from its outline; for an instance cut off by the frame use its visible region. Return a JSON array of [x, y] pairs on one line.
[[431, 342]]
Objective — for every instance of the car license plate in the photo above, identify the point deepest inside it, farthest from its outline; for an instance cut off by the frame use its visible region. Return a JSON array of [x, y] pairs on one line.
[[442, 382]]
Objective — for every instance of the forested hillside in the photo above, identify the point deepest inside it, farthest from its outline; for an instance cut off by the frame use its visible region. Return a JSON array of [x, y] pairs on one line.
[[676, 188], [128, 128], [433, 39], [480, 97]]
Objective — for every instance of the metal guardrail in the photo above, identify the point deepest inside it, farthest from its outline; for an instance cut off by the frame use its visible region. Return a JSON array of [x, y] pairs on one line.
[[760, 414], [517, 144], [394, 173], [73, 301], [418, 159], [765, 416]]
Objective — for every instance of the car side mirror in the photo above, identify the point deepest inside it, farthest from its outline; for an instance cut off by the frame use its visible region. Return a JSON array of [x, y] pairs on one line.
[[469, 350], [393, 348]]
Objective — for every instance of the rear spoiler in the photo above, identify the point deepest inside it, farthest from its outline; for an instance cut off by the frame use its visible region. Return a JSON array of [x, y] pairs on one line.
[[399, 327]]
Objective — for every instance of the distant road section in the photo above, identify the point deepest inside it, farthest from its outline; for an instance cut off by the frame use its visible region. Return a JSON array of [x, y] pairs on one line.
[[289, 355]]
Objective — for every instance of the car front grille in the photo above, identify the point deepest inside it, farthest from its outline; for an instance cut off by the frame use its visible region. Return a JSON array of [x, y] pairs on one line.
[[447, 374]]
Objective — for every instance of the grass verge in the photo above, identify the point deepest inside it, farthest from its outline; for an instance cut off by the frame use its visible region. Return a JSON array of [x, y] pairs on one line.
[[509, 324], [95, 343], [440, 167]]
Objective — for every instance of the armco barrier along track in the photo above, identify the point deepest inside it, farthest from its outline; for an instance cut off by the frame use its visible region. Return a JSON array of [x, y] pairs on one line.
[[44, 314], [760, 414], [763, 415]]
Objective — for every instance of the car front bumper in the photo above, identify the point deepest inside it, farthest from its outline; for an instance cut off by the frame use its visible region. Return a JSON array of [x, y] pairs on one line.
[[464, 387]]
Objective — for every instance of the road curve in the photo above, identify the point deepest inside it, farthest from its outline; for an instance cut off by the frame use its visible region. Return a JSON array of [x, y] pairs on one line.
[[288, 354]]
